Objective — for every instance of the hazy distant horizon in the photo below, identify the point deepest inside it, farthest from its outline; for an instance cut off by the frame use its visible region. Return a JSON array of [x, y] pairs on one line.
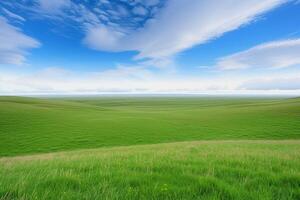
[[217, 95]]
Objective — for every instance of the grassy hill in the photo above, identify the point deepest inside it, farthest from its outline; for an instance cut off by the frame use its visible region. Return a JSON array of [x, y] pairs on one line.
[[32, 125], [187, 170], [234, 148]]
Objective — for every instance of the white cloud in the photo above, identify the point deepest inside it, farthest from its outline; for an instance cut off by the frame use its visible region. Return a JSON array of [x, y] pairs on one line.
[[107, 39], [104, 1], [183, 24], [276, 54], [14, 44], [176, 26], [53, 5], [151, 2], [139, 10]]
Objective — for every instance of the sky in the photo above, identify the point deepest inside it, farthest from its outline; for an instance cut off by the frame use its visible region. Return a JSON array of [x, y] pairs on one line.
[[149, 46]]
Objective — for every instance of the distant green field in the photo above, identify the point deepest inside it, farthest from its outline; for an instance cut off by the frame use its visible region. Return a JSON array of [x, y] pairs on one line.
[[251, 170], [32, 125]]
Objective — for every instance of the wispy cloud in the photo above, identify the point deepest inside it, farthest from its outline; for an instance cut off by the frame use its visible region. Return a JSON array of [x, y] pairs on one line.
[[139, 10], [14, 44], [182, 24], [53, 6], [155, 29], [12, 15], [276, 54]]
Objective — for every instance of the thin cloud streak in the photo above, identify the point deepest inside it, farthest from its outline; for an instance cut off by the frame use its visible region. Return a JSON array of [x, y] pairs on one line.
[[275, 54], [14, 44]]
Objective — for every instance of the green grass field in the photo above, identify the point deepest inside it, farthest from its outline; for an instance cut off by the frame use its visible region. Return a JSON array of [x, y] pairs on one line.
[[187, 170], [149, 148], [31, 125]]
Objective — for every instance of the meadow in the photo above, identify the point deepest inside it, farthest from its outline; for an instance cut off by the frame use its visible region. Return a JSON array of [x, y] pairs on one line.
[[150, 148], [185, 170], [32, 125]]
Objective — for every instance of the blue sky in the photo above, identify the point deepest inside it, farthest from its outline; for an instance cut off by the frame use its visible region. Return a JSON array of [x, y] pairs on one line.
[[149, 46]]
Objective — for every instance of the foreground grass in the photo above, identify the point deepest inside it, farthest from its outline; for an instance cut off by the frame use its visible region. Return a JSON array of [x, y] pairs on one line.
[[30, 125], [187, 170]]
